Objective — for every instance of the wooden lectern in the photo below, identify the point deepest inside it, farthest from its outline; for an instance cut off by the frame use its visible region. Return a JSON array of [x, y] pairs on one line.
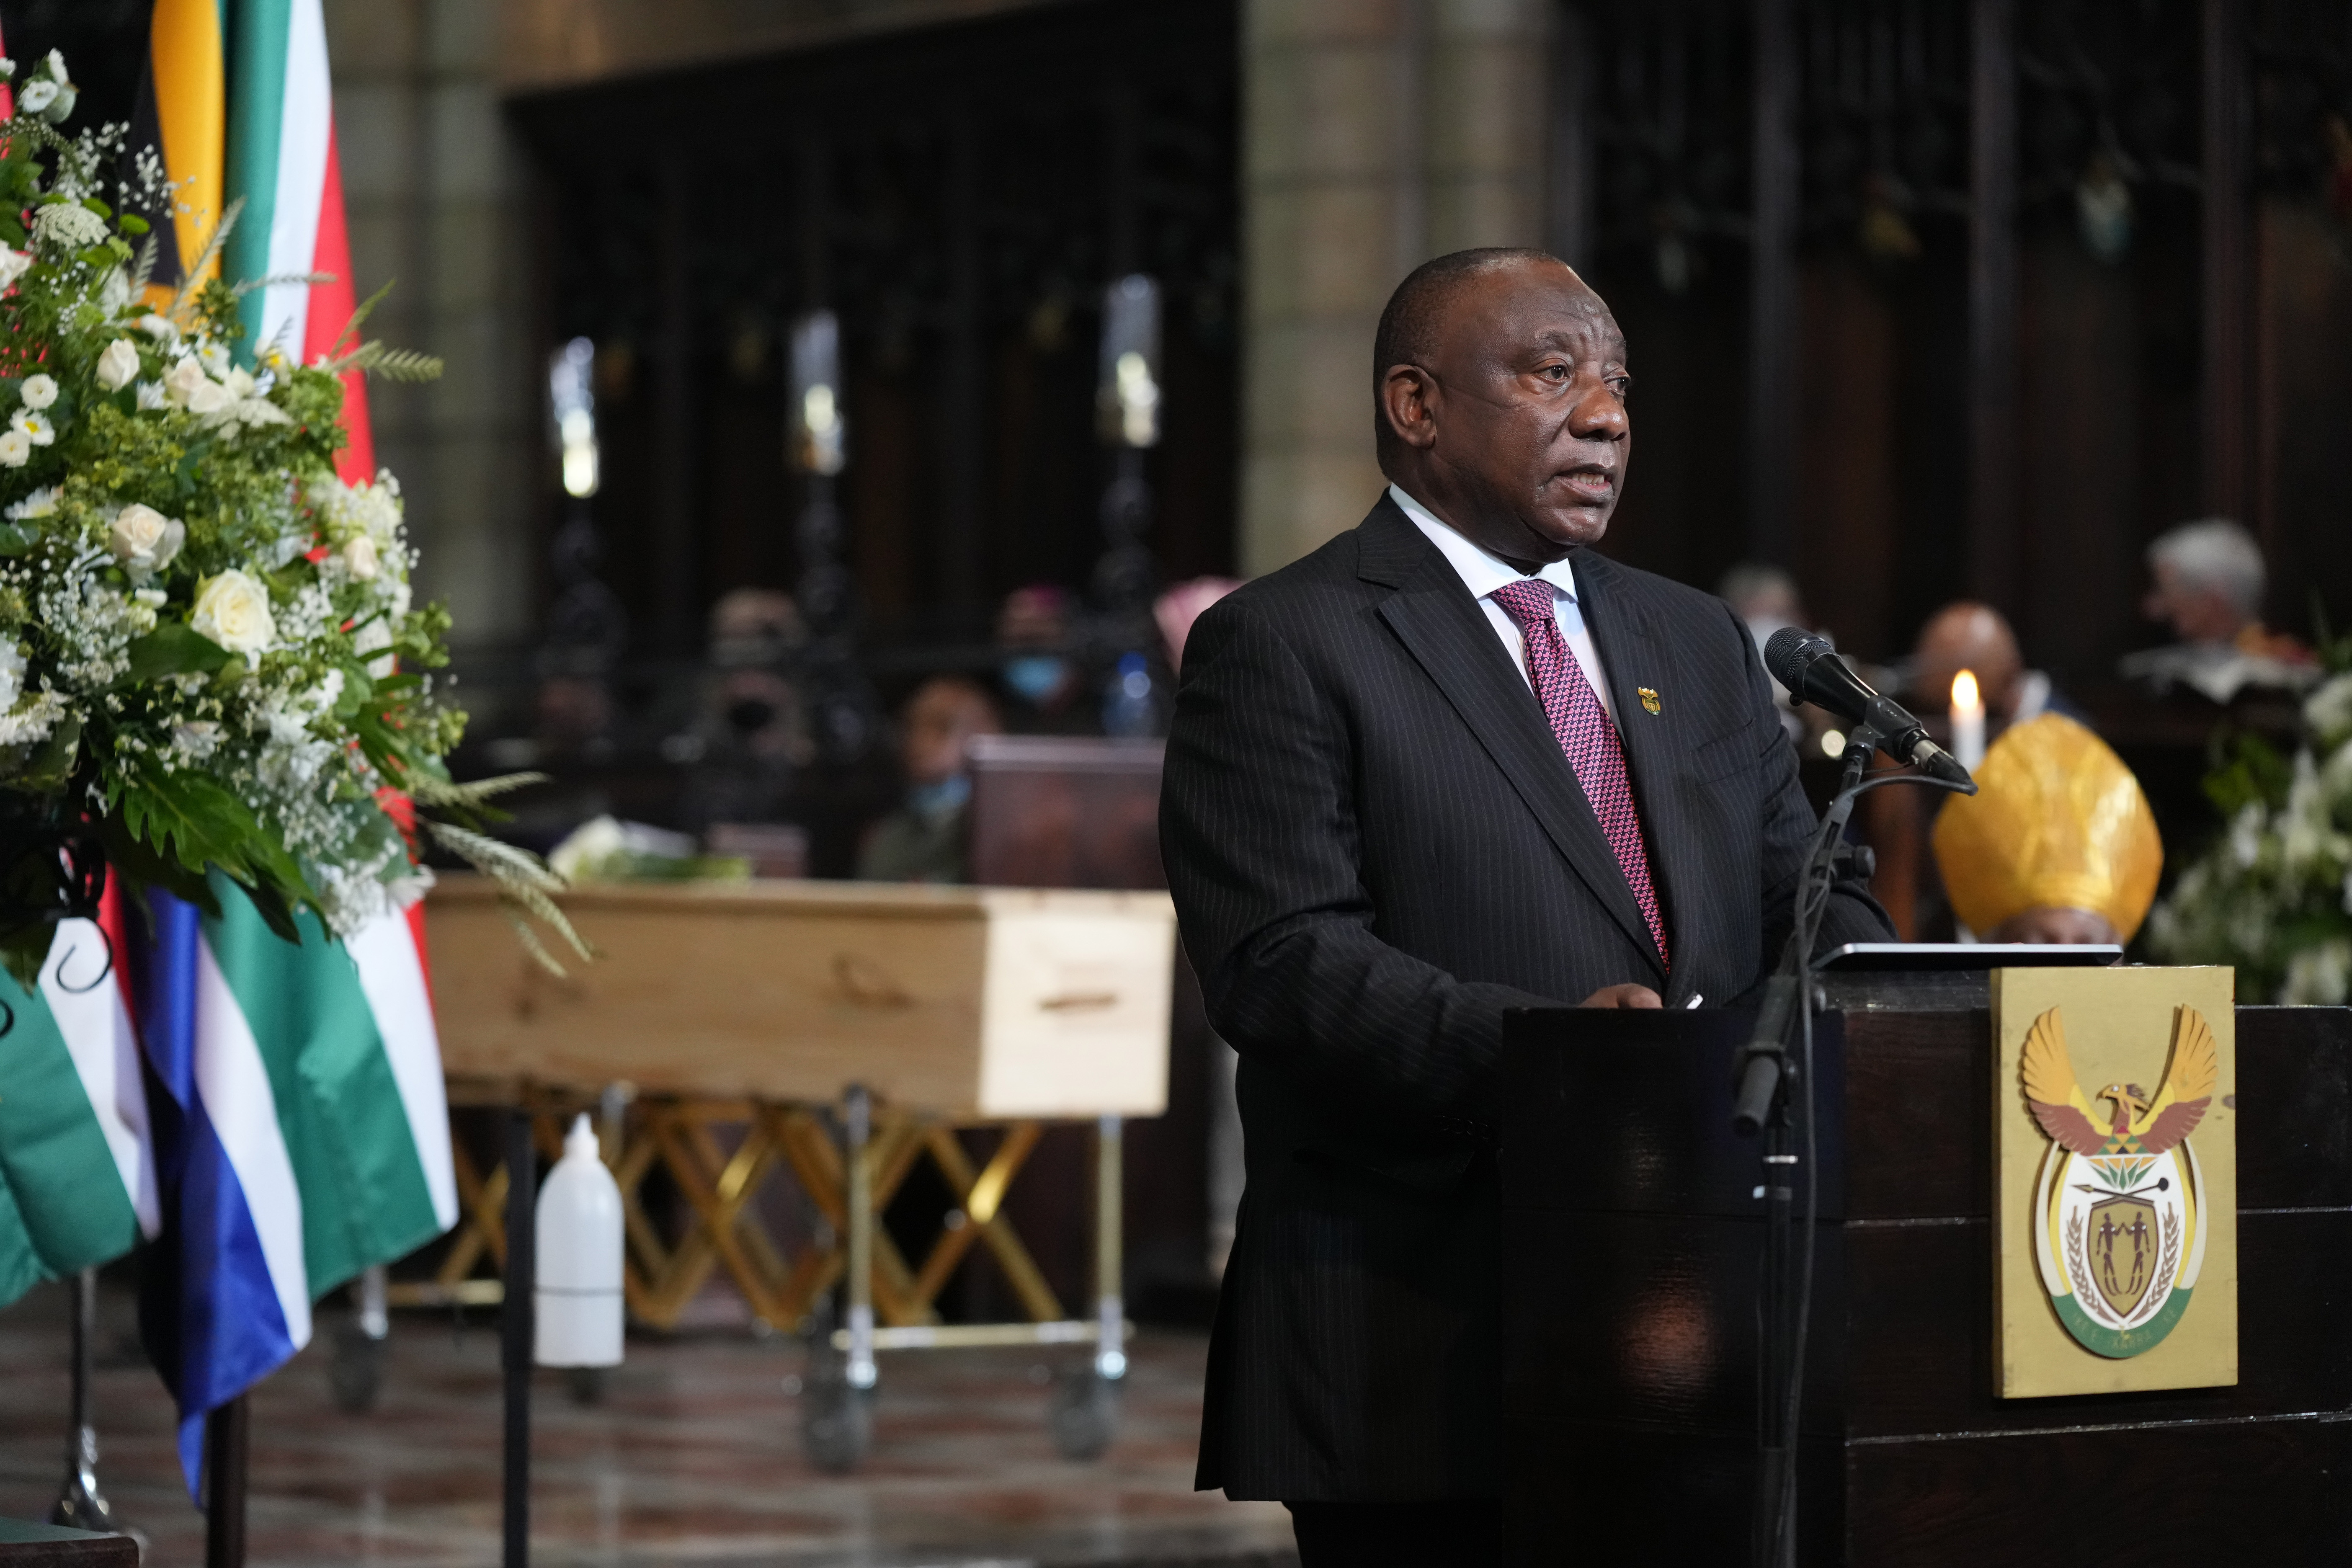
[[1629, 1299]]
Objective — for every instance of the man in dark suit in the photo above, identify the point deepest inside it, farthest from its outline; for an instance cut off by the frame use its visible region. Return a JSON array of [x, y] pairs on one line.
[[1451, 764]]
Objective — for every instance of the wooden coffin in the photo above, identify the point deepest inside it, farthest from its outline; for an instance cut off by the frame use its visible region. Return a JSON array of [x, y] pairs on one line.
[[975, 1003]]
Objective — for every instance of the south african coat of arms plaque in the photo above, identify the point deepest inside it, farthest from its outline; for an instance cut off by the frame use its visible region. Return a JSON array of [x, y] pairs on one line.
[[2115, 1223]]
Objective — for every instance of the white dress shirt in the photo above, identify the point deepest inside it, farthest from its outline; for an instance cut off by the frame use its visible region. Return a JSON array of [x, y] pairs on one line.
[[1483, 572]]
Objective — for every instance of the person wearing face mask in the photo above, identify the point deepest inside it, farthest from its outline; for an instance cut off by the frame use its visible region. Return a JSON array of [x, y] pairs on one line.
[[928, 840], [1043, 688], [749, 739]]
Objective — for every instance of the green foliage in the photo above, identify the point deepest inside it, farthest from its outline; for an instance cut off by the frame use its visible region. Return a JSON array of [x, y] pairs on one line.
[[2273, 898], [174, 648], [207, 644], [2245, 770]]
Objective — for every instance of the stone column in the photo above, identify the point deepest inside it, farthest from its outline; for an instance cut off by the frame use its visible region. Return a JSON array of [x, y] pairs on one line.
[[434, 195], [1375, 134], [1488, 62]]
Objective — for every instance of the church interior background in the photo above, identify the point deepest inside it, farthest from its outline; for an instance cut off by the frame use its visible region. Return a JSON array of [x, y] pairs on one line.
[[1925, 301]]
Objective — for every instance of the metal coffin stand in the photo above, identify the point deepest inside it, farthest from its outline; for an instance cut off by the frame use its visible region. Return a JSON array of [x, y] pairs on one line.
[[1630, 1298]]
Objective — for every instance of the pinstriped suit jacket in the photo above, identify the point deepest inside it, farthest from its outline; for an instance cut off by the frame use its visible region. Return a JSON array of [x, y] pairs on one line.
[[1376, 848]]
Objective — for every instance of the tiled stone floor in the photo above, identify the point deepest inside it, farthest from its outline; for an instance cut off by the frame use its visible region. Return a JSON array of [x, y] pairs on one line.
[[692, 1457]]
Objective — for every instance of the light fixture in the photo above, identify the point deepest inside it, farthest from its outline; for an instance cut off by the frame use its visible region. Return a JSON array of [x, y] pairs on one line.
[[1127, 391], [571, 393], [817, 436]]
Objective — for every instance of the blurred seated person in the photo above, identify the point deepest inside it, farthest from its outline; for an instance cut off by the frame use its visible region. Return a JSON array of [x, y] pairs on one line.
[[1176, 610], [2056, 846], [928, 839], [755, 627], [1765, 599], [1045, 690], [1977, 637], [572, 720], [2208, 578], [750, 737]]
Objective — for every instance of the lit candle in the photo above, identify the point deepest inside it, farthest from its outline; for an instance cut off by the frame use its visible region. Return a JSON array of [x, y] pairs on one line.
[[1967, 720]]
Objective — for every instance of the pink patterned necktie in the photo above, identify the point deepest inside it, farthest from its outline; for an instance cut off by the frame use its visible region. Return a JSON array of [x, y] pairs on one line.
[[1587, 737]]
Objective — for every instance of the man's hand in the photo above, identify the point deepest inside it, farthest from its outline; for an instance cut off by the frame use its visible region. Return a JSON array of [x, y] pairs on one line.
[[1624, 996]]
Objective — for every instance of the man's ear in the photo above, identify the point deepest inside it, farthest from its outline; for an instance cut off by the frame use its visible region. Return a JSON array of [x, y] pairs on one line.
[[1409, 397]]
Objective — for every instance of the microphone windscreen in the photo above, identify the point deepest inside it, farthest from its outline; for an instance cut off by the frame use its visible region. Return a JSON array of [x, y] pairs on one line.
[[1791, 652]]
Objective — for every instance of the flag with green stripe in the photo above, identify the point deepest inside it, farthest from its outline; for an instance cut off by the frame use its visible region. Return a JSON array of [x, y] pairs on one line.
[[301, 1129], [76, 1167]]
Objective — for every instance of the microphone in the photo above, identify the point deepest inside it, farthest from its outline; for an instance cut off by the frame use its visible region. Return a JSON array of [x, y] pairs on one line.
[[1808, 665]]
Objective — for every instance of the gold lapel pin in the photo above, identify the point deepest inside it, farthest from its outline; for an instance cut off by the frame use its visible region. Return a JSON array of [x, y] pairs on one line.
[[1649, 698]]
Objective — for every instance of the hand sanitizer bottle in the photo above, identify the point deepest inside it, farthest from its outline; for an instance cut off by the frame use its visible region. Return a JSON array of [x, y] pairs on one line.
[[578, 1296]]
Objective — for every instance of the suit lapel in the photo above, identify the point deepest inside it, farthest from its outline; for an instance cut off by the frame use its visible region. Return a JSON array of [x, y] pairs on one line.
[[1638, 660], [1448, 635]]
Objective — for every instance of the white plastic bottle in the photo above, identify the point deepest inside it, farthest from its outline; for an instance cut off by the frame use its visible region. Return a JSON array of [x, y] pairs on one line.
[[578, 1293]]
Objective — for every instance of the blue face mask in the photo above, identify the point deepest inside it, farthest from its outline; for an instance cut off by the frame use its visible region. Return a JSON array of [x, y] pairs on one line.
[[1037, 675], [936, 800]]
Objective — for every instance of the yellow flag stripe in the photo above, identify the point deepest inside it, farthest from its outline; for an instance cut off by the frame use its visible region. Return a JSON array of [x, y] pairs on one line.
[[191, 107]]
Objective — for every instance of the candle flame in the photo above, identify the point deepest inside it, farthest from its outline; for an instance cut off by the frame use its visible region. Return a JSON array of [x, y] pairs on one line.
[[1964, 690]]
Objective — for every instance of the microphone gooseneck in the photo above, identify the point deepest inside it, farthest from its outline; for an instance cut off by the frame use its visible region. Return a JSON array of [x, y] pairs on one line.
[[1808, 665]]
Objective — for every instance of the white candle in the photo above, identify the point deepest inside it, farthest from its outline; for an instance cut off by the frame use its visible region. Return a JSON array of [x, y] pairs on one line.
[[1967, 720]]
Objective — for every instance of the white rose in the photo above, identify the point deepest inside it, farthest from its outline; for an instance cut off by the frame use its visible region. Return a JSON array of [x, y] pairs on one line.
[[180, 380], [118, 367], [144, 540], [35, 427], [13, 264], [360, 557], [208, 398], [233, 610], [37, 94], [39, 391], [14, 448]]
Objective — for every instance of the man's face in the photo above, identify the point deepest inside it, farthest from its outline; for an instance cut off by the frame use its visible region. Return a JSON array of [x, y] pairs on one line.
[[2051, 923], [1517, 426], [940, 722], [2196, 614]]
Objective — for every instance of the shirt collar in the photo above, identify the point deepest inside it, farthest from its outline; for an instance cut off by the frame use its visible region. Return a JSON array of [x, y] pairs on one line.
[[1480, 570]]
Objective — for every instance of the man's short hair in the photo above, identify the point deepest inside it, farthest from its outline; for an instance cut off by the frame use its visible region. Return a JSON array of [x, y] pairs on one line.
[[1409, 323], [2217, 554]]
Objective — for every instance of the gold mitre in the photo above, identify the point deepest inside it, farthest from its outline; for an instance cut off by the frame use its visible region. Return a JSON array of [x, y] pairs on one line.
[[2058, 822]]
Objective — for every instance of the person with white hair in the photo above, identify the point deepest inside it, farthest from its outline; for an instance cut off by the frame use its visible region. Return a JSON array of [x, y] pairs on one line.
[[2208, 578]]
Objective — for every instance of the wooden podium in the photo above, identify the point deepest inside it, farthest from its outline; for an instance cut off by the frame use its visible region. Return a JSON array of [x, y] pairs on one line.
[[1631, 1244]]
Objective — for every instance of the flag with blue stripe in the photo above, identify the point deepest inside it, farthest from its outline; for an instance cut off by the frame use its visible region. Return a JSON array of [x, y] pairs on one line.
[[301, 1135]]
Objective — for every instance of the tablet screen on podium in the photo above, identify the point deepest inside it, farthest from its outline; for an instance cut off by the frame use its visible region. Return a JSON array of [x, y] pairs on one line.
[[1862, 957]]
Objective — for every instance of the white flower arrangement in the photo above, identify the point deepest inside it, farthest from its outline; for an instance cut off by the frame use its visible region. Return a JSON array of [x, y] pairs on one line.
[[210, 660], [2273, 896]]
